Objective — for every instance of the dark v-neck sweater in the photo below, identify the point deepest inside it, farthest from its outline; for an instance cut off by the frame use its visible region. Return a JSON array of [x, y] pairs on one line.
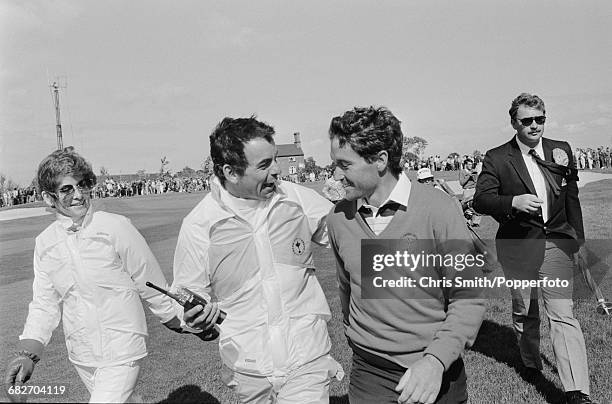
[[403, 330]]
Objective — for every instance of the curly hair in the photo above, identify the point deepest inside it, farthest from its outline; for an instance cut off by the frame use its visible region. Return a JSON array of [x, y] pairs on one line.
[[369, 131], [529, 100], [228, 139], [59, 164]]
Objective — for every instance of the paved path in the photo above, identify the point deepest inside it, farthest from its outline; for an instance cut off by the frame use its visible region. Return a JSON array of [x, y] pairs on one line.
[[588, 176], [20, 213], [585, 178]]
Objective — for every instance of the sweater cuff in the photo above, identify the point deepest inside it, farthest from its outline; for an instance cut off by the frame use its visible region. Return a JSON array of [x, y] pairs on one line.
[[445, 351]]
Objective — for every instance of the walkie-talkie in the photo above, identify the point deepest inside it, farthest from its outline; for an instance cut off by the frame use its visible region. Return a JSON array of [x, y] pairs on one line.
[[187, 299]]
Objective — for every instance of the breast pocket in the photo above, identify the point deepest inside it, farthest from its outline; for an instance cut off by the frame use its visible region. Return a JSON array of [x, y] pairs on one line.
[[293, 248], [290, 237]]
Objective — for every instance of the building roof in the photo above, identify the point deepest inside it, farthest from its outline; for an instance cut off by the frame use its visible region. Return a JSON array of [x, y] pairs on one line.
[[289, 150]]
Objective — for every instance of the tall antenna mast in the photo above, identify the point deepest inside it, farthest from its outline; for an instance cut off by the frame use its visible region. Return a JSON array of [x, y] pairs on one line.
[[58, 124]]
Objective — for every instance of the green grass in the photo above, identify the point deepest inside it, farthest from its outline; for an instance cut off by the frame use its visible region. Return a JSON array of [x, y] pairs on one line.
[[181, 368]]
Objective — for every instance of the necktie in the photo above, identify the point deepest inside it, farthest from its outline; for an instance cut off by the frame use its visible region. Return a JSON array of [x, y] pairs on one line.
[[365, 212], [388, 209], [544, 168]]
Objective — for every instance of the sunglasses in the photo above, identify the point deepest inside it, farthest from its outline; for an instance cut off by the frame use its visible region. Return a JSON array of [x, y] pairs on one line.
[[538, 119], [67, 191]]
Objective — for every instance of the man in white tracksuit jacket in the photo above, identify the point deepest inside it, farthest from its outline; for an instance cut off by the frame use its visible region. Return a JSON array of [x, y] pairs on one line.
[[248, 245], [90, 269]]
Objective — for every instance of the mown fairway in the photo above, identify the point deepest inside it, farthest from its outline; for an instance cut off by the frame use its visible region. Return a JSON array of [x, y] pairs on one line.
[[181, 368]]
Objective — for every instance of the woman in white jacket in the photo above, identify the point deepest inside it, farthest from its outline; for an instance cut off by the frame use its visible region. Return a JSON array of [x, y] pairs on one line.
[[90, 268]]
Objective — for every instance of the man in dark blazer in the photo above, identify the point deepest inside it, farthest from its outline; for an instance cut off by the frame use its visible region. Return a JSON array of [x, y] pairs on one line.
[[529, 186]]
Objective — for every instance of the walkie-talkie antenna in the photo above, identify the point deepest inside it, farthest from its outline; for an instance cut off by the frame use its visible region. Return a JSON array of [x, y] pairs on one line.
[[165, 292]]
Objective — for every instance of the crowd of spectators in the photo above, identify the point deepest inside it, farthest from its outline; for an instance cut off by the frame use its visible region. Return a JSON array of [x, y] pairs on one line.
[[586, 159], [453, 162], [111, 187], [18, 196], [590, 159]]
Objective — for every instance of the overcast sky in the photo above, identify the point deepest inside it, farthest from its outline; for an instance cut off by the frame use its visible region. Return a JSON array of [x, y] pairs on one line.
[[146, 79]]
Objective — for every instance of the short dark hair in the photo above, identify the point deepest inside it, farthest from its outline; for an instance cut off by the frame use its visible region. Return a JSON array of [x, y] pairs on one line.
[[530, 100], [369, 131], [228, 139], [59, 164]]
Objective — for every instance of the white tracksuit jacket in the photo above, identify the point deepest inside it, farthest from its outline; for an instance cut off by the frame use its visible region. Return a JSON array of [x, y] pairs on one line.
[[262, 277], [94, 278]]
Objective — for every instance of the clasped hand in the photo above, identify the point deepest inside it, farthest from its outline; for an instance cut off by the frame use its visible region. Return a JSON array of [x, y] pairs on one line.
[[527, 203], [202, 317]]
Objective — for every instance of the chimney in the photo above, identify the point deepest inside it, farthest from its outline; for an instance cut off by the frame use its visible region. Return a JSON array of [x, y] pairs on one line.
[[296, 140]]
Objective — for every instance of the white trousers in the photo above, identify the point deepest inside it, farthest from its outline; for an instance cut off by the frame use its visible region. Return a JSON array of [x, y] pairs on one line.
[[113, 384], [307, 384]]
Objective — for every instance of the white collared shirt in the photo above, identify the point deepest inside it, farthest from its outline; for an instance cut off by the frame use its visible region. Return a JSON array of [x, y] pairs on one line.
[[535, 172], [399, 194]]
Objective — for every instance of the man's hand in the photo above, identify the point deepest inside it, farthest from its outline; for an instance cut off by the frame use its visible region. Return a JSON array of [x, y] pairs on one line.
[[209, 335], [174, 325], [527, 203], [202, 318], [421, 382]]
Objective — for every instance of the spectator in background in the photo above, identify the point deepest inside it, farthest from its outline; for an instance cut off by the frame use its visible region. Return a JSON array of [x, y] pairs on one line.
[[589, 154], [333, 189], [467, 179], [424, 176], [478, 165]]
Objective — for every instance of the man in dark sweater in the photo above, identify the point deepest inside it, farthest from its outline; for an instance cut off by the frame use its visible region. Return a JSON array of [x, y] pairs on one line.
[[406, 346]]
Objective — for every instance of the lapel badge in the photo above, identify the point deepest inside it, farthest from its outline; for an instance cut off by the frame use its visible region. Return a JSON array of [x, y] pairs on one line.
[[560, 157]]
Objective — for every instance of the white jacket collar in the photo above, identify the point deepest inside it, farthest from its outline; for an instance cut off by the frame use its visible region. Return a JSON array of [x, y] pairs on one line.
[[68, 225], [220, 195]]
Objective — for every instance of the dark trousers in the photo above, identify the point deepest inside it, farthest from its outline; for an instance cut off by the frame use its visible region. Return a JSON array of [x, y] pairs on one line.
[[375, 382]]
